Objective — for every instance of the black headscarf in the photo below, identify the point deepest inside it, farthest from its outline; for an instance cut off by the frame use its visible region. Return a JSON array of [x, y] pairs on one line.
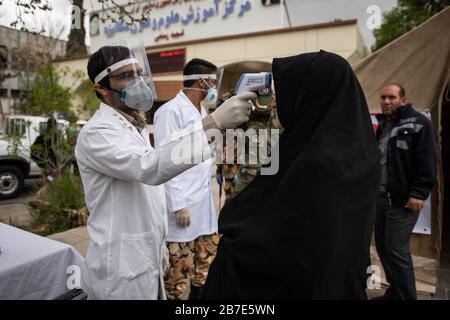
[[305, 232]]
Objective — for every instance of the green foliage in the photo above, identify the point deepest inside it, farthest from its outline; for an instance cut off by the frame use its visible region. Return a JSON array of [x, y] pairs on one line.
[[55, 152], [14, 135], [401, 19], [58, 208], [66, 192], [434, 5], [88, 97], [14, 143], [46, 95]]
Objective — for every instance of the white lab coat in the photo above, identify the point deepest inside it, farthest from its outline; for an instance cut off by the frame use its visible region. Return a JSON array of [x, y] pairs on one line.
[[122, 176], [192, 188]]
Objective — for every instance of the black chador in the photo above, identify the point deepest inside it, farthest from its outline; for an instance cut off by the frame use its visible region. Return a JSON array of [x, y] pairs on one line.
[[305, 232]]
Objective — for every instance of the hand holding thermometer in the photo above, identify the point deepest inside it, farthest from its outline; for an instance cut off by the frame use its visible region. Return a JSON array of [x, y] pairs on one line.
[[252, 82]]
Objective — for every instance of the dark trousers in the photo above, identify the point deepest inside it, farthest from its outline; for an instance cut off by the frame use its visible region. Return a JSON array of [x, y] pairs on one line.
[[393, 229]]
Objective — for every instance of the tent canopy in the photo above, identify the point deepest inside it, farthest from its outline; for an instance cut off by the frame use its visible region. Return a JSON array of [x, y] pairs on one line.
[[419, 60]]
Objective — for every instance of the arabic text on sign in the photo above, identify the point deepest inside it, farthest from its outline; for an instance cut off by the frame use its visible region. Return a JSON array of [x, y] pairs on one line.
[[193, 15]]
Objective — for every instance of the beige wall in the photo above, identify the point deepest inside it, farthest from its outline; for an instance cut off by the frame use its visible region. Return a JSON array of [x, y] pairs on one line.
[[74, 65], [343, 40]]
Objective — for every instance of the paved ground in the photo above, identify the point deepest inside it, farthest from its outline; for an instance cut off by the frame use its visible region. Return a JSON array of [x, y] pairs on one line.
[[15, 210], [77, 238], [443, 290]]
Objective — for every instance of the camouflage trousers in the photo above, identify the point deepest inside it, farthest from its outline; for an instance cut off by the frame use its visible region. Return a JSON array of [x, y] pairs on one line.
[[189, 262], [230, 190], [229, 172]]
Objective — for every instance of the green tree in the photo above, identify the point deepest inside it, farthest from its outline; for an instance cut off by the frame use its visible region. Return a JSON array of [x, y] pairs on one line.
[[404, 17], [435, 5], [46, 95], [59, 206], [53, 150], [89, 100], [14, 134]]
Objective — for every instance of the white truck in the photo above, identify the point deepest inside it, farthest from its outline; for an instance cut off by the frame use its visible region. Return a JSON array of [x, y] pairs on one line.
[[15, 167]]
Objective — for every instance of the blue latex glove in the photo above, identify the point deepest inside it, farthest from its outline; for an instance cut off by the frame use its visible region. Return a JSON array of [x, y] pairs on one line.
[[219, 178], [235, 179]]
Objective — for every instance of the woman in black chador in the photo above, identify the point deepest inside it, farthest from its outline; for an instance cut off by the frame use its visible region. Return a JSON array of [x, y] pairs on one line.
[[305, 232]]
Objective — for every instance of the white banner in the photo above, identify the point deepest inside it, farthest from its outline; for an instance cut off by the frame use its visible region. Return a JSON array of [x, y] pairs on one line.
[[172, 21]]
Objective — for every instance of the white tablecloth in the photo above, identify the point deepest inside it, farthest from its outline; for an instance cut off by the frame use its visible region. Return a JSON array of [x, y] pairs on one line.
[[34, 267]]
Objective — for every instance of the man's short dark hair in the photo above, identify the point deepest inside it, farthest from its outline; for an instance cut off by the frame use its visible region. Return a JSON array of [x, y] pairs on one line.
[[102, 59], [197, 66], [401, 89]]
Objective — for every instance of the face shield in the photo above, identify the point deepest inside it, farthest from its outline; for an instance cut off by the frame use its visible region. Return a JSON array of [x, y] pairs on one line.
[[219, 76], [223, 90], [210, 80], [128, 74]]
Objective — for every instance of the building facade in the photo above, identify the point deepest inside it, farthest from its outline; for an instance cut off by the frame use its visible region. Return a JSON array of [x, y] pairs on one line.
[[238, 36], [21, 52]]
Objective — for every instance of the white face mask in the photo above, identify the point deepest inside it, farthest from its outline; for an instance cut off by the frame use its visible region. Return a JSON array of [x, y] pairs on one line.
[[137, 95], [212, 95]]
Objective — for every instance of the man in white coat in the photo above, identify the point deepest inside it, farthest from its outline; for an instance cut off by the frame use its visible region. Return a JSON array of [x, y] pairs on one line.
[[192, 218], [122, 176]]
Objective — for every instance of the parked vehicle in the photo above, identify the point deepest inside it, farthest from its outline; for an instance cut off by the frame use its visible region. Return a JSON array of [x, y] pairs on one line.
[[16, 164]]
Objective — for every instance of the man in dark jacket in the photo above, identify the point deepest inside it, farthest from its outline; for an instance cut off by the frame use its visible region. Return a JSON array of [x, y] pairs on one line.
[[407, 141]]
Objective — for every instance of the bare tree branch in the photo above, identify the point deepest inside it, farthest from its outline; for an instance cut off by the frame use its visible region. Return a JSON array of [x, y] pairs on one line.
[[111, 12], [23, 8]]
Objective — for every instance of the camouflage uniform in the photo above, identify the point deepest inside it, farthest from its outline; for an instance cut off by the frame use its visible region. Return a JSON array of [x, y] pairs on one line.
[[229, 172], [189, 261], [247, 172], [237, 176]]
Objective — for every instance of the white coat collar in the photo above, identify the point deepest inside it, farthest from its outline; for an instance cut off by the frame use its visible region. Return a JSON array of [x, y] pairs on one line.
[[113, 113], [186, 101]]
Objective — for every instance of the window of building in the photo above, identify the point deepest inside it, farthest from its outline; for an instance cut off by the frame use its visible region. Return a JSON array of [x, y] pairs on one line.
[[15, 93]]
